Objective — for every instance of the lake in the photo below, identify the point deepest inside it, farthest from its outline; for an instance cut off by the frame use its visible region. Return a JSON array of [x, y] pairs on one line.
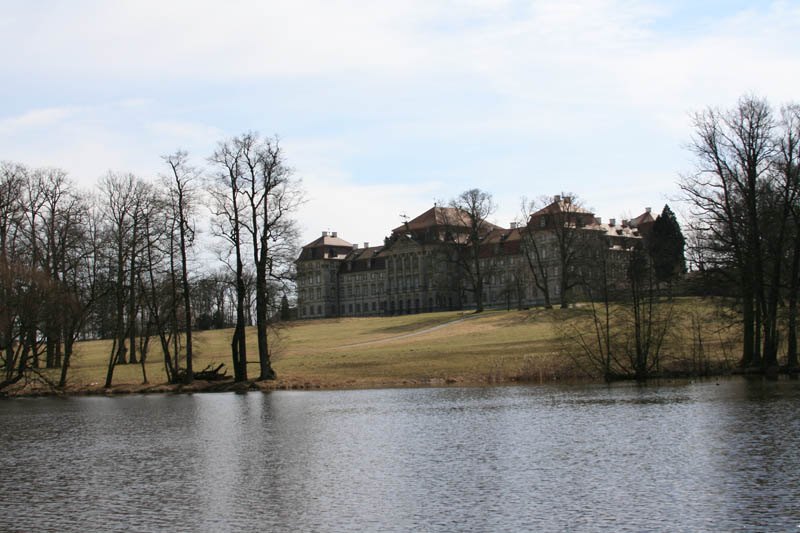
[[708, 456]]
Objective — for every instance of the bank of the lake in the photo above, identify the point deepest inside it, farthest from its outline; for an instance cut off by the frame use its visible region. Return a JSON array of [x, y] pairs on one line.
[[405, 351]]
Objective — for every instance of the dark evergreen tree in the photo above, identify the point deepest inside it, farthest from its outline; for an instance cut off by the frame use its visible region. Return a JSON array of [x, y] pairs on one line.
[[666, 247], [285, 308]]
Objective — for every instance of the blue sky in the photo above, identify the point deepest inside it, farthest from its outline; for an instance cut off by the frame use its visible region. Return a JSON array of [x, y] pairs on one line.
[[385, 106]]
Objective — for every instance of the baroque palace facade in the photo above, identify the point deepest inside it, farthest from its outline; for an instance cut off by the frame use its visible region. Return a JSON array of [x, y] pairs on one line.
[[412, 273]]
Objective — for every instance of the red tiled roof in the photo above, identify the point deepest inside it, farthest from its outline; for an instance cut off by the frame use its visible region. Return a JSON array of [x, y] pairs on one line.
[[361, 254], [562, 207], [439, 216], [643, 219], [327, 240]]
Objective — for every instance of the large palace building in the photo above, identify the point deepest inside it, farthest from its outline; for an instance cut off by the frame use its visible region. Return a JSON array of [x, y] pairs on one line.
[[417, 269]]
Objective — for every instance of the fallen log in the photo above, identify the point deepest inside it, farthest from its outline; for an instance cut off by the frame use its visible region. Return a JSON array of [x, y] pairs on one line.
[[207, 374]]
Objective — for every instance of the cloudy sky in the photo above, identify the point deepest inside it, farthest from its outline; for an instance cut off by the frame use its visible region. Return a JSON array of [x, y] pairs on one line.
[[383, 107]]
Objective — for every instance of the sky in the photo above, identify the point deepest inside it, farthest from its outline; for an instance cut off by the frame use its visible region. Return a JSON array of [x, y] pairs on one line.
[[384, 108]]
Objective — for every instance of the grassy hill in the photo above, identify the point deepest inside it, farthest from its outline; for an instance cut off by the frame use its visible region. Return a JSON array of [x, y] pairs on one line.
[[496, 346]]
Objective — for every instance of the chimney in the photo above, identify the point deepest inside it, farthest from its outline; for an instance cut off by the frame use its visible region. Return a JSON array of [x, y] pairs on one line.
[[324, 233], [598, 220], [355, 246], [612, 221], [557, 198], [568, 199], [333, 234], [366, 244], [513, 225], [647, 209]]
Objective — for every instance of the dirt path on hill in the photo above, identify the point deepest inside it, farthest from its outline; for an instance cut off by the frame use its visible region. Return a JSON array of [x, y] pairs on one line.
[[412, 334]]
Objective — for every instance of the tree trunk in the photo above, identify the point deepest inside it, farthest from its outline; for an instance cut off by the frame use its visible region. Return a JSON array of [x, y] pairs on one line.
[[261, 327], [186, 297], [794, 288], [68, 342]]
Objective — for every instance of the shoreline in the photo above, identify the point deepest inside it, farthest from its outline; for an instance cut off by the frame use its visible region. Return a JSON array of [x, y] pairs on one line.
[[228, 385]]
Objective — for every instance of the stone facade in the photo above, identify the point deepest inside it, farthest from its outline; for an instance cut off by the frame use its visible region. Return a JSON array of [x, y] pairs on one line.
[[412, 272]]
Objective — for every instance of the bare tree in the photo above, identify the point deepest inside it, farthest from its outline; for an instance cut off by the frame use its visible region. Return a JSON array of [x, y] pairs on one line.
[[272, 196], [467, 227], [182, 192], [82, 281], [788, 162], [535, 252], [226, 191], [553, 242], [157, 281], [623, 328], [729, 194], [12, 182], [121, 198]]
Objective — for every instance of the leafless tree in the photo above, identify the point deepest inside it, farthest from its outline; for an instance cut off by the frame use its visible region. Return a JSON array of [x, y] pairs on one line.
[[468, 225], [227, 204], [788, 163], [535, 252], [121, 198], [553, 242], [182, 192], [272, 197], [729, 195], [623, 328]]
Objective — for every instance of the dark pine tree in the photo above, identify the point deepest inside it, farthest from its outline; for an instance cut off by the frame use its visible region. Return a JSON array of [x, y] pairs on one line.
[[666, 247], [285, 308]]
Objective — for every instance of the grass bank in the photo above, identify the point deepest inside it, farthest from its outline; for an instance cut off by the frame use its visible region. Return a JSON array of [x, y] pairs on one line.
[[412, 350]]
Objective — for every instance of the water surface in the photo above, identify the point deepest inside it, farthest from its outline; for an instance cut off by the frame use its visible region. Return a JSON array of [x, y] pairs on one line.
[[679, 457]]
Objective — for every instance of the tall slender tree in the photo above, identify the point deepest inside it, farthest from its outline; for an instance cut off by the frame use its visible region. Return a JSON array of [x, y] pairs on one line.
[[182, 192], [225, 191]]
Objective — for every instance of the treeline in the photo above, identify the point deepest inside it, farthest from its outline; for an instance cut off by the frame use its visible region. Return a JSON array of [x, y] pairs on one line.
[[745, 221], [121, 261]]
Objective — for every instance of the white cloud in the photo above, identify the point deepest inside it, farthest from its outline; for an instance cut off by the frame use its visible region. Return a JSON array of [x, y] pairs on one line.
[[360, 213], [87, 141], [185, 133], [36, 118], [464, 84]]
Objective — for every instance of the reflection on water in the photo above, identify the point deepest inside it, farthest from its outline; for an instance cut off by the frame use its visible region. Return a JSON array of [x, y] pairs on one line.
[[691, 457]]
